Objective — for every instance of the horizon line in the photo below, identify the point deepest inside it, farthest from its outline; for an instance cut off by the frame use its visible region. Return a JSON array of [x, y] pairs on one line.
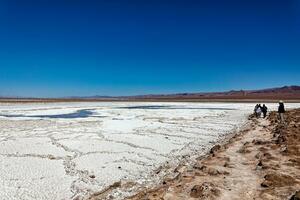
[[141, 95]]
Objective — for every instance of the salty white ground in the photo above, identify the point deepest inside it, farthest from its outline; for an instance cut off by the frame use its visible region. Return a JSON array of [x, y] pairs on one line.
[[71, 150]]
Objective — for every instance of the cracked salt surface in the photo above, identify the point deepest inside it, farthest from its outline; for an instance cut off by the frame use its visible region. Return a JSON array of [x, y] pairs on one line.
[[72, 150]]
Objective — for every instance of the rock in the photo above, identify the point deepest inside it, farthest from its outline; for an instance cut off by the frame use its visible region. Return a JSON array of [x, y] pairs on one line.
[[264, 184], [206, 190], [199, 166], [92, 176], [259, 155], [259, 163], [179, 169], [226, 164], [78, 197], [198, 173], [244, 150], [169, 196], [215, 149], [213, 171], [196, 191], [224, 172], [296, 196], [51, 157], [278, 180], [284, 150], [116, 184], [268, 156], [158, 170], [246, 143], [259, 142], [280, 139]]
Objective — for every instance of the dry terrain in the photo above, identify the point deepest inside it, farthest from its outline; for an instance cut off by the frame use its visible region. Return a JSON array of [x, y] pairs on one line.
[[261, 162]]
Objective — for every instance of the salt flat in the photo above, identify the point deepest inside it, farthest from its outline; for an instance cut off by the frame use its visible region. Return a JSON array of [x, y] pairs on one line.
[[71, 150]]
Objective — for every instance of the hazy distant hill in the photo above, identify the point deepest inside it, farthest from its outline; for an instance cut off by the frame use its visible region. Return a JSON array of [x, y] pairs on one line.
[[286, 92], [281, 93]]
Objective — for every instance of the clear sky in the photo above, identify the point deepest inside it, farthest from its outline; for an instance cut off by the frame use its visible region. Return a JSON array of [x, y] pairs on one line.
[[125, 47]]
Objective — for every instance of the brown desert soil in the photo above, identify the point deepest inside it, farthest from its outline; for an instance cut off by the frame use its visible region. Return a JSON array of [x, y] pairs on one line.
[[261, 162]]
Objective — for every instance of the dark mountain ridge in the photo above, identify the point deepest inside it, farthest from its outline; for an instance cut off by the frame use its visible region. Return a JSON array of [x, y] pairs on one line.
[[272, 94]]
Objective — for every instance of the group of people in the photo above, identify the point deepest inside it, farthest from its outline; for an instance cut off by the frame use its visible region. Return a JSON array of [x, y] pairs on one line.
[[258, 110]]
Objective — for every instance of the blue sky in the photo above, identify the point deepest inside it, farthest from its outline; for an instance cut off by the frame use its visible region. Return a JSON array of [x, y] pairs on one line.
[[64, 48]]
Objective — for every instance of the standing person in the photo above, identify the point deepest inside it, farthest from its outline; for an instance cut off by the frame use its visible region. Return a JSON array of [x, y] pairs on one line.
[[258, 111], [255, 110], [281, 111], [264, 110]]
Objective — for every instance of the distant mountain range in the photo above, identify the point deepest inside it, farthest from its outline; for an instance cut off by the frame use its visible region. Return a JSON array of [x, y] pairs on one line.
[[270, 94], [286, 92]]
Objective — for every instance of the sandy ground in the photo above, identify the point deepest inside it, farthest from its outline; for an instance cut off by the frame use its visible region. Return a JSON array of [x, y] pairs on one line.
[[260, 162]]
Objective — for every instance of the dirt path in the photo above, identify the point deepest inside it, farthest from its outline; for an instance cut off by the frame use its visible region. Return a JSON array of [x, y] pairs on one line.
[[258, 163], [242, 180]]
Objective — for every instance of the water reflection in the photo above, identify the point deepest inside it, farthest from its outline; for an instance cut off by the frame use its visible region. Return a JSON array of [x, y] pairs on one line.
[[78, 114]]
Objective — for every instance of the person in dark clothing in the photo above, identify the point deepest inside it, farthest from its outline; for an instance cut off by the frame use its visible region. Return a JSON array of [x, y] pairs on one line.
[[281, 111], [264, 110], [257, 110]]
